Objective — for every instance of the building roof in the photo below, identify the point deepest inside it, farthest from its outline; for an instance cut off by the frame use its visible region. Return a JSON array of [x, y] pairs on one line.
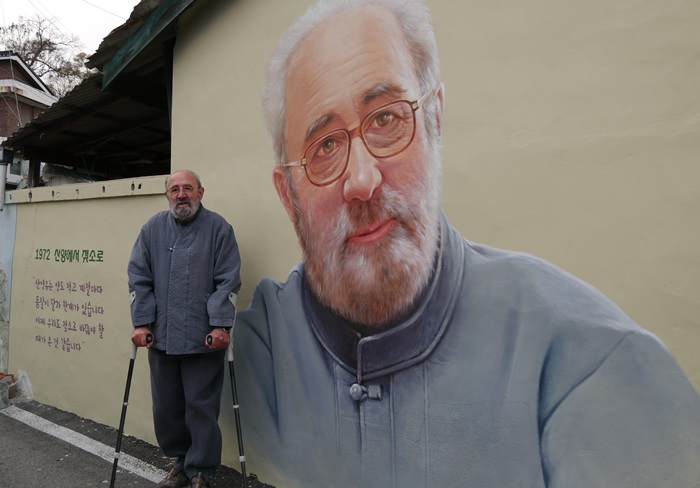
[[100, 133], [120, 128], [35, 81]]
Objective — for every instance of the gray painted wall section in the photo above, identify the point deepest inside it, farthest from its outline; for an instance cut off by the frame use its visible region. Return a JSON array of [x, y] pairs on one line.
[[8, 224]]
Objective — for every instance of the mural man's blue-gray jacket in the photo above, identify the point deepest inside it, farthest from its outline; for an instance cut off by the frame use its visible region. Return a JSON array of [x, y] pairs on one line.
[[510, 373], [184, 279]]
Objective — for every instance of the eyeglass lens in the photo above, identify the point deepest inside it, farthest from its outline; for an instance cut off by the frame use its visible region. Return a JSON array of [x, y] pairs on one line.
[[386, 132], [188, 189]]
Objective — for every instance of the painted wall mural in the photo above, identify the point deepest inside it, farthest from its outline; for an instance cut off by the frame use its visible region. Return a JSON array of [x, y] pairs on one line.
[[399, 353]]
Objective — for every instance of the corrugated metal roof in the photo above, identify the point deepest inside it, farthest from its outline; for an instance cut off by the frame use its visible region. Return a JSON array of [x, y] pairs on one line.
[[99, 132], [151, 29]]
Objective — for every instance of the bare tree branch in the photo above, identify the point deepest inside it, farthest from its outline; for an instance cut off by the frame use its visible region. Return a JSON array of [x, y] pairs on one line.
[[47, 51]]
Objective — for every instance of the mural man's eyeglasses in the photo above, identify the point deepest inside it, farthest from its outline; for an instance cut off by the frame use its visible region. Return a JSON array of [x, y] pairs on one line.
[[386, 131]]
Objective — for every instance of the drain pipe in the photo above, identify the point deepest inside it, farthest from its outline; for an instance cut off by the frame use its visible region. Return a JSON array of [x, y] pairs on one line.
[[6, 159]]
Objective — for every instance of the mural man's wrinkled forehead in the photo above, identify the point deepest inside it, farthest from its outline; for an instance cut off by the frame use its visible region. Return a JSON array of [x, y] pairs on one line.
[[414, 21]]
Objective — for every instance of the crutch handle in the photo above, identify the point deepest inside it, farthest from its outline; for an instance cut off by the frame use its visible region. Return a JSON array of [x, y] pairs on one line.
[[229, 351], [134, 349]]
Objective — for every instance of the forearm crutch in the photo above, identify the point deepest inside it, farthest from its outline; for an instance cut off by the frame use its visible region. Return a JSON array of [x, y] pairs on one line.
[[117, 450], [236, 410]]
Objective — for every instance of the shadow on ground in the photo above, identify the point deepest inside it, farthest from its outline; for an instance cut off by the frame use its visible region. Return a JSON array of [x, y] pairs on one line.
[[226, 477]]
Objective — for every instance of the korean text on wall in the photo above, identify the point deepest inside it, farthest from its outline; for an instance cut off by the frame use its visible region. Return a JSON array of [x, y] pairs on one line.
[[70, 312]]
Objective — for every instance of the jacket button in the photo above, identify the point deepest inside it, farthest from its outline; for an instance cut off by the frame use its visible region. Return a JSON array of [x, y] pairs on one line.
[[356, 392]]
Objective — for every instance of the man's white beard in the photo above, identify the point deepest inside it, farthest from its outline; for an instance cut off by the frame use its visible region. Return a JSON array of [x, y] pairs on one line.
[[374, 284], [184, 213]]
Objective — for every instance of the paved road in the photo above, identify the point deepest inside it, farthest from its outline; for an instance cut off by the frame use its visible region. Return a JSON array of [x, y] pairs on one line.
[[42, 446], [30, 458]]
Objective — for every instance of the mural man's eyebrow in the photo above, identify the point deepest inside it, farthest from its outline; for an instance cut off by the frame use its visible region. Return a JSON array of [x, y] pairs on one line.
[[317, 125], [383, 89]]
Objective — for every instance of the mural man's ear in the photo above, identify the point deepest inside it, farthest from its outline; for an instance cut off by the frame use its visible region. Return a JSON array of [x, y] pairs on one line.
[[279, 178], [440, 97]]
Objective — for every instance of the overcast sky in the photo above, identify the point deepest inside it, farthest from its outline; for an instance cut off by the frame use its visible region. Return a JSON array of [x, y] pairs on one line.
[[90, 20]]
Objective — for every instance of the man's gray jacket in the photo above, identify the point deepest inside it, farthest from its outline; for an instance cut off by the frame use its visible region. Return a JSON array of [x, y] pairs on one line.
[[184, 279], [510, 373]]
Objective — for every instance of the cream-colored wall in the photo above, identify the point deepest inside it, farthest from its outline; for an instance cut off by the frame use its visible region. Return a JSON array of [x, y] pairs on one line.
[[74, 370], [218, 128], [571, 130]]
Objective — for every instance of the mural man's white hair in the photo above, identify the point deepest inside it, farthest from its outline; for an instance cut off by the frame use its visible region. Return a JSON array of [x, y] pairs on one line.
[[414, 19]]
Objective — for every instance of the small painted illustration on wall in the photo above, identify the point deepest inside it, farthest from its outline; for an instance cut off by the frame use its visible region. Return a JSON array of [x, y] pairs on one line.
[[4, 319], [400, 354]]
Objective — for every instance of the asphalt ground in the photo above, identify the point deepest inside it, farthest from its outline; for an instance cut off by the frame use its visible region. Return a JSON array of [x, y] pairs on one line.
[[43, 446]]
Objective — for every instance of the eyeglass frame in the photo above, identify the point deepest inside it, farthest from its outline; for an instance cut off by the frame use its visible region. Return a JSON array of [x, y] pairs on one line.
[[186, 189], [415, 105]]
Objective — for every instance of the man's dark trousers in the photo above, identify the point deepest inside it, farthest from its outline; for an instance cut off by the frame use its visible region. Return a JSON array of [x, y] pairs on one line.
[[186, 391]]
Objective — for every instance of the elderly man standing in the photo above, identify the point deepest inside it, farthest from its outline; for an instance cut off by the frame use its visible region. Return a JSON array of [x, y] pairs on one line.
[[399, 354], [184, 277]]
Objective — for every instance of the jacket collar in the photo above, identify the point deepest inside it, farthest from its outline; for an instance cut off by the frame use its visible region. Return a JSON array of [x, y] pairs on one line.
[[408, 342]]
